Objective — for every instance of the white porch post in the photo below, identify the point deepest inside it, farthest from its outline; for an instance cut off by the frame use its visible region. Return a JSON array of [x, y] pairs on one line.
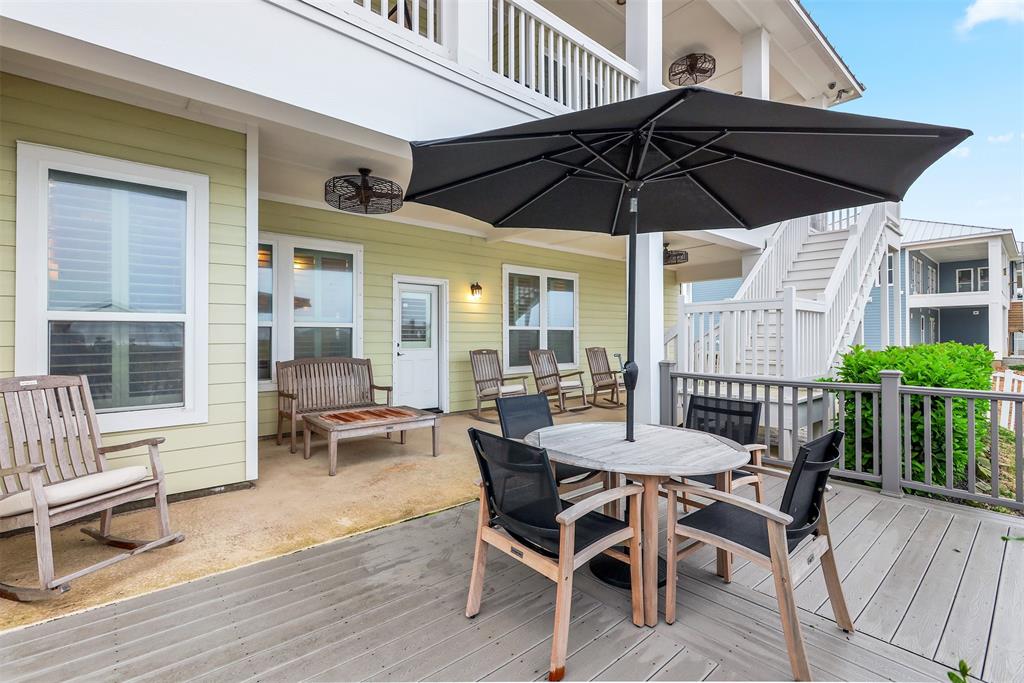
[[996, 311], [755, 63], [465, 31], [643, 50], [883, 292], [899, 287]]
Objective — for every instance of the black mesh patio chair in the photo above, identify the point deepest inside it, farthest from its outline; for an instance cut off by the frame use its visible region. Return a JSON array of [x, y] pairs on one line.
[[770, 538], [520, 415], [734, 419], [522, 516]]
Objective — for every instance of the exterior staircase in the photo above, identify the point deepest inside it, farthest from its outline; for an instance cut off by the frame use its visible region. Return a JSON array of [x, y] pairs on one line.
[[802, 304]]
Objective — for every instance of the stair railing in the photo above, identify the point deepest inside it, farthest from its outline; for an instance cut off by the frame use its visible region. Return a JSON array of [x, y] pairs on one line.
[[765, 279]]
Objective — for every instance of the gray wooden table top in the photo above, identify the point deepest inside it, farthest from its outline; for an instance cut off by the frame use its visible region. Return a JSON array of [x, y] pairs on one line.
[[657, 451]]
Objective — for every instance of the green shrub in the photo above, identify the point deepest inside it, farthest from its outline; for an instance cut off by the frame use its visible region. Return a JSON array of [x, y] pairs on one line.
[[949, 365]]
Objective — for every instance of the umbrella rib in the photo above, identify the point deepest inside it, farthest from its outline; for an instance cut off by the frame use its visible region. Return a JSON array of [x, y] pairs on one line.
[[784, 168], [534, 198], [797, 130], [494, 171], [598, 156], [685, 155], [718, 200], [687, 171], [518, 137], [596, 175]]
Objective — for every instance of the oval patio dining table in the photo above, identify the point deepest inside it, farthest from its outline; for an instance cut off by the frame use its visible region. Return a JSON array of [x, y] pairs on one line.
[[659, 453]]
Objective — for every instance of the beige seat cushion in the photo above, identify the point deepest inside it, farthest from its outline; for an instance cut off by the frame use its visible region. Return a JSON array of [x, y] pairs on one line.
[[80, 488], [505, 390], [572, 384]]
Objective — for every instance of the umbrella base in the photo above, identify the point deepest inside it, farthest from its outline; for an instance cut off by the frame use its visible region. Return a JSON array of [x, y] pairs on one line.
[[614, 573]]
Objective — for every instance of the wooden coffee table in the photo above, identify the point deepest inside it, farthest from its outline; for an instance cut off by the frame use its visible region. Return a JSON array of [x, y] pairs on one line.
[[350, 423]]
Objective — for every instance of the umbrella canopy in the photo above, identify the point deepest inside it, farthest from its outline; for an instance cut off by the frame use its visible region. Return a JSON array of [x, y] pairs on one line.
[[686, 159]]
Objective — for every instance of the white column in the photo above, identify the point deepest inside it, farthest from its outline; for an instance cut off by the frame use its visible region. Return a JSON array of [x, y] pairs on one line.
[[643, 50], [643, 43], [996, 311], [650, 324], [755, 64], [465, 31], [883, 293], [900, 289]]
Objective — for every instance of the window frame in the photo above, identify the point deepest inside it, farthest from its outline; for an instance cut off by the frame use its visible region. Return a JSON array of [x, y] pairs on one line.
[[32, 315], [282, 346], [956, 280], [987, 278], [932, 284], [268, 384], [543, 273], [916, 275]]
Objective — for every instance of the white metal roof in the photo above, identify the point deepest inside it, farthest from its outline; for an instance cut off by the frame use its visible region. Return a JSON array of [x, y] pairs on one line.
[[930, 231]]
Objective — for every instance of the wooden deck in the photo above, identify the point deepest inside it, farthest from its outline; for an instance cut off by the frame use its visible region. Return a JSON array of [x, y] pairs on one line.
[[928, 583]]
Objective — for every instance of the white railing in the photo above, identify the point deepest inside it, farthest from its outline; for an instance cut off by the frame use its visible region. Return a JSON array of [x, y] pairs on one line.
[[410, 18], [765, 279], [541, 52], [745, 337], [840, 219], [760, 333], [846, 292]]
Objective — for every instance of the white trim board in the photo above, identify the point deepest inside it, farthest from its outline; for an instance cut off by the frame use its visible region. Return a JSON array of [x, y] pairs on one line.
[[32, 316], [443, 313], [252, 229]]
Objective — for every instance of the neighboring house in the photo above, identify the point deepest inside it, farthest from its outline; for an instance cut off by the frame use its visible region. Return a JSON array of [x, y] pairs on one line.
[[959, 284], [164, 217]]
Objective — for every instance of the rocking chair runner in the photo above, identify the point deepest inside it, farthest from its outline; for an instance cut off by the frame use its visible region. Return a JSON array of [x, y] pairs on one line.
[[770, 538], [603, 377], [490, 382], [53, 470], [551, 382]]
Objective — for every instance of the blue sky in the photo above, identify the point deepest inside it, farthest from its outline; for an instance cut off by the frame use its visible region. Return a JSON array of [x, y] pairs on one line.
[[932, 61]]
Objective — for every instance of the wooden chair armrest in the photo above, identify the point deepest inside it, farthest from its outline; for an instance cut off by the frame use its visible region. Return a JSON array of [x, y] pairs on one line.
[[769, 513], [548, 376], [286, 394], [22, 469], [770, 471], [381, 387], [751, 447], [571, 373], [155, 441], [598, 500], [505, 378]]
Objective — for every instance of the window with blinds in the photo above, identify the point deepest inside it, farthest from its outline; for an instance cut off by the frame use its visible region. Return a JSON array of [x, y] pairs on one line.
[[116, 288], [540, 314]]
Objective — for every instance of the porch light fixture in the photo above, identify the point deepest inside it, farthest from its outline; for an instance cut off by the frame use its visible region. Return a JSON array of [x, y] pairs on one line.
[[671, 257], [691, 69], [363, 193], [475, 291]]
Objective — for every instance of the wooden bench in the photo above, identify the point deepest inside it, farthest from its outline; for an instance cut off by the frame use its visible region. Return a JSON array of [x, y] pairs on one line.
[[53, 470], [317, 385]]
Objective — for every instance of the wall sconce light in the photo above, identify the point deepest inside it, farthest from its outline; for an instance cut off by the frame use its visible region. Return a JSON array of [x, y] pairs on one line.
[[475, 291]]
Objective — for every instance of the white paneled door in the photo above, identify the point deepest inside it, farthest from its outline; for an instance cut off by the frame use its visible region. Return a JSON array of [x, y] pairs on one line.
[[417, 345]]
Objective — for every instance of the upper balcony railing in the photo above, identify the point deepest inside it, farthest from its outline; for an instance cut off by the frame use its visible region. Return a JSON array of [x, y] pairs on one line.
[[541, 52], [410, 18]]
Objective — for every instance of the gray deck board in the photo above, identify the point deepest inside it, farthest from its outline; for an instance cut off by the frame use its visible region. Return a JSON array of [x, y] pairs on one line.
[[930, 583]]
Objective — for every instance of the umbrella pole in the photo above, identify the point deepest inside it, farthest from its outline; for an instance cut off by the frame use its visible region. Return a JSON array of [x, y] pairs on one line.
[[630, 375]]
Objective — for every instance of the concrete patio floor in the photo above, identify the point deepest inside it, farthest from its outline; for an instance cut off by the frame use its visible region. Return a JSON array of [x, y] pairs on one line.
[[293, 505]]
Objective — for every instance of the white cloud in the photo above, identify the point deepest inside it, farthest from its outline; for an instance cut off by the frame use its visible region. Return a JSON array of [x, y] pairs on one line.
[[982, 11], [1000, 139], [962, 152]]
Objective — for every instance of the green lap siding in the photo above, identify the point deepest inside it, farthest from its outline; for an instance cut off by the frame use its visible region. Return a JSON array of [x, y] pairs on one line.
[[195, 456], [398, 249]]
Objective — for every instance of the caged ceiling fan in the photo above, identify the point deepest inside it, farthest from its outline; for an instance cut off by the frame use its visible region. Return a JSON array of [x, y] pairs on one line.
[[363, 193]]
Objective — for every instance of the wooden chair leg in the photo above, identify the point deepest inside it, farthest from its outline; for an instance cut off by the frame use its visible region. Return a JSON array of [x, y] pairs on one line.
[[636, 574], [671, 575], [787, 603], [563, 604], [107, 521], [759, 489], [280, 428], [44, 552], [476, 579], [292, 447], [833, 583], [163, 515]]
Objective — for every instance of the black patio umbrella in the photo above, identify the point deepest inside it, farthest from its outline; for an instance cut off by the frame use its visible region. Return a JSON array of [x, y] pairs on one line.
[[686, 159]]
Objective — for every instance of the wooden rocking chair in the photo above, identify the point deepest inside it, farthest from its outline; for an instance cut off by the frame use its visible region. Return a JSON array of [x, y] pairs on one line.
[[551, 382], [603, 377], [490, 383], [53, 469]]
